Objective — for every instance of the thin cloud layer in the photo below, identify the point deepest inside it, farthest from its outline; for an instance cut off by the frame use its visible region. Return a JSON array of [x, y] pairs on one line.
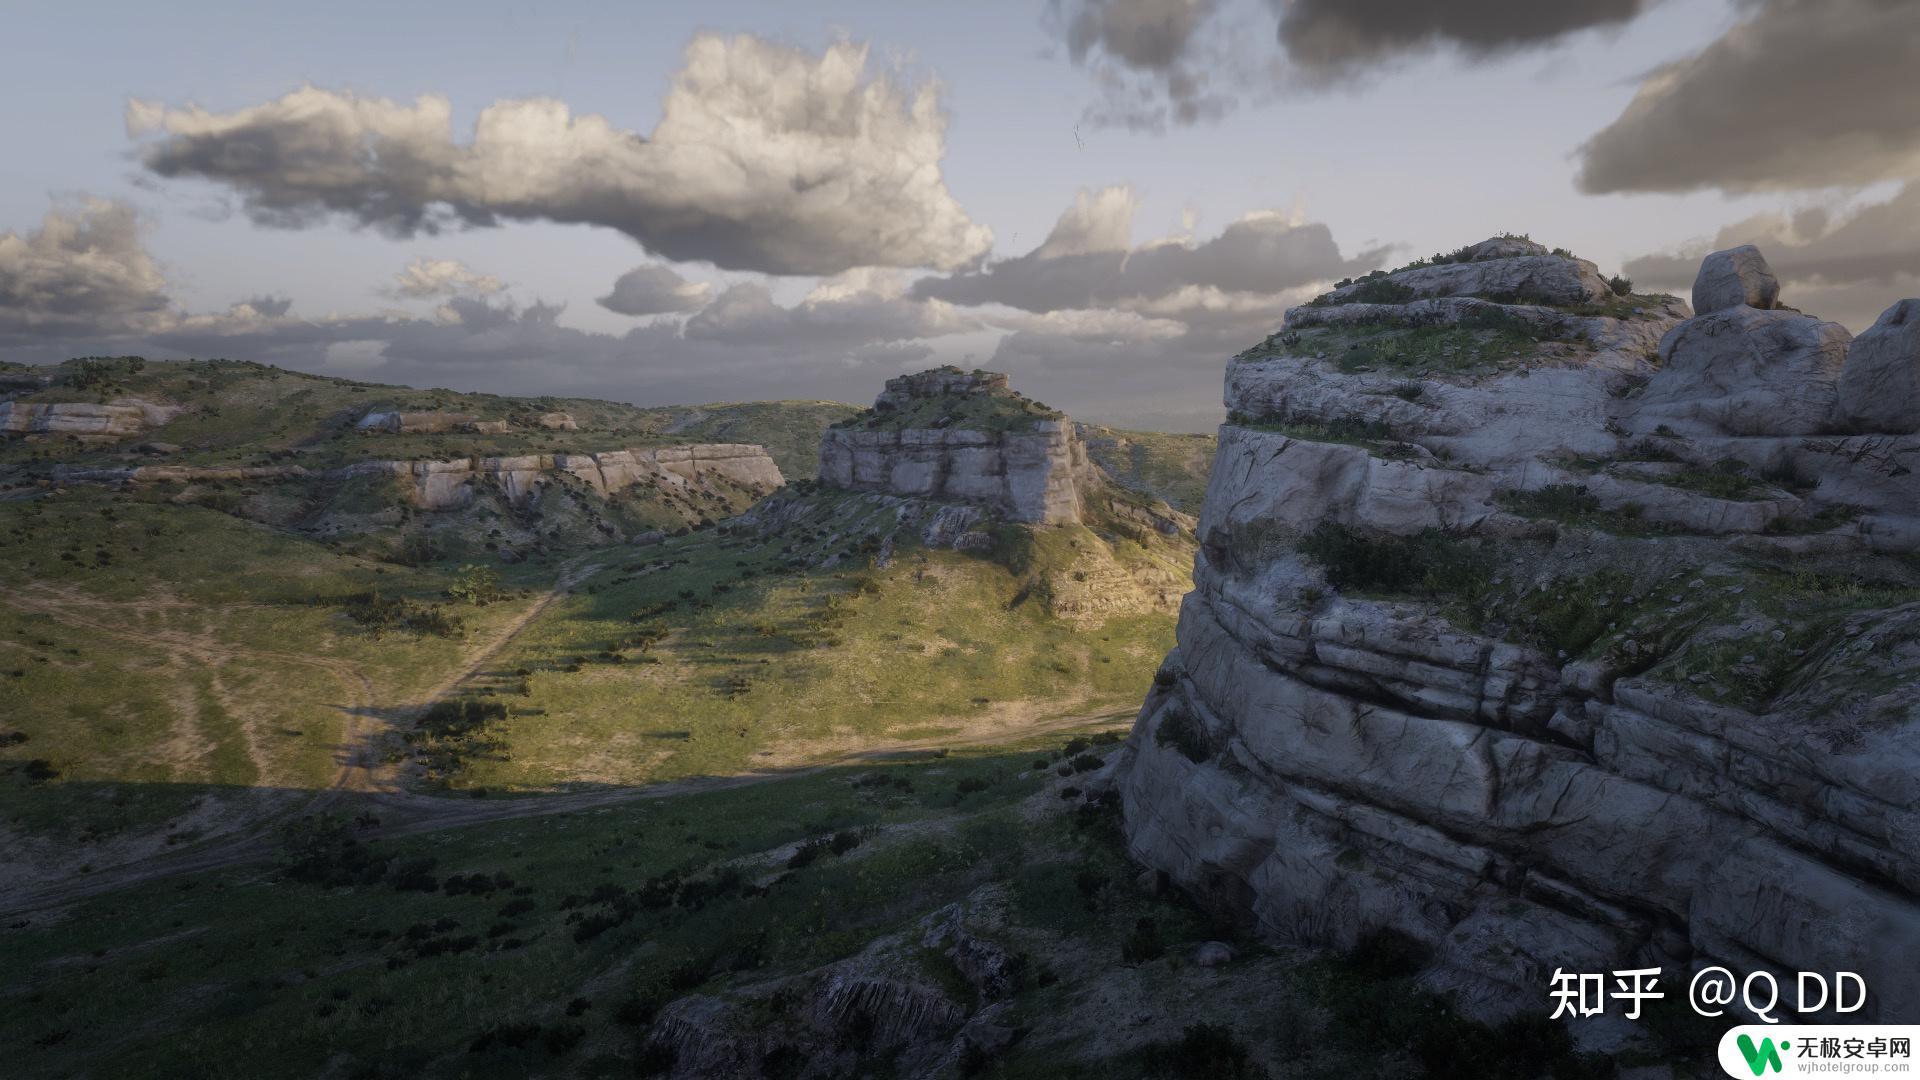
[[437, 279], [84, 269], [1328, 38], [766, 158], [861, 308], [1078, 266], [655, 289], [1801, 94]]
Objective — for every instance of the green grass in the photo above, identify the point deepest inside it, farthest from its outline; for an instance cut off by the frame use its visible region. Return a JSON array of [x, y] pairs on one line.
[[183, 647], [244, 974], [752, 660], [246, 413], [1172, 468]]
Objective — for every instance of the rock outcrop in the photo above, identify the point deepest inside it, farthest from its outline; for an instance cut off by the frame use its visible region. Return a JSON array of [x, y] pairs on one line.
[[1507, 267], [1880, 382], [1549, 651], [413, 423], [452, 484], [1736, 277], [948, 434], [114, 420]]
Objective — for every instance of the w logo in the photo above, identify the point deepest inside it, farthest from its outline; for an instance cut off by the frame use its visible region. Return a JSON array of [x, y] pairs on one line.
[[1762, 1057]]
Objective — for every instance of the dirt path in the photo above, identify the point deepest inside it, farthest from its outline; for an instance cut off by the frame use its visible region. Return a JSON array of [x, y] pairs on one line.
[[405, 814]]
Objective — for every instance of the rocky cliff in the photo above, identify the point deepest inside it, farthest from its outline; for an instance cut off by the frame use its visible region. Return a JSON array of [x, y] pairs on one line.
[[452, 484], [948, 434], [113, 420], [1555, 629]]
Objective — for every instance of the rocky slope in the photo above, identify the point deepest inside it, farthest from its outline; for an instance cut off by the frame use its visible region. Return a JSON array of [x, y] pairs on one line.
[[948, 434], [1554, 629]]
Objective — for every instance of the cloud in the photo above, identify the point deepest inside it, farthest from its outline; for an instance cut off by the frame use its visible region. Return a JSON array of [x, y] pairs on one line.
[[1328, 39], [859, 308], [765, 158], [83, 269], [1161, 63], [1801, 94], [655, 289], [434, 279], [1078, 266], [1846, 263]]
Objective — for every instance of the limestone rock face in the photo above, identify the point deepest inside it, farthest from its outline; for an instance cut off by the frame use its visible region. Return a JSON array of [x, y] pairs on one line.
[[947, 434], [1736, 277], [413, 423], [450, 484], [558, 421], [1743, 371], [117, 420], [1506, 268], [1514, 654], [1880, 382]]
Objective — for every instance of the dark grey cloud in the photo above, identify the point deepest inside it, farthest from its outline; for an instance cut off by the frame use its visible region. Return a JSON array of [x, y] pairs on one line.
[[1847, 263], [85, 268], [1327, 38], [655, 289], [1800, 94], [1158, 63], [765, 158], [1079, 267]]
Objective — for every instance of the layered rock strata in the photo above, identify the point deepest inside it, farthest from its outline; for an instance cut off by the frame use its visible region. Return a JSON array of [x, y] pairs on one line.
[[1555, 640], [451, 484], [114, 420], [946, 434]]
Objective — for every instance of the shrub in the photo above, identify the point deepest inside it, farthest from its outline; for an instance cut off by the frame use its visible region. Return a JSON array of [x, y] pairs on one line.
[[1621, 286], [1203, 1052], [1182, 731], [321, 849], [1143, 943], [476, 585]]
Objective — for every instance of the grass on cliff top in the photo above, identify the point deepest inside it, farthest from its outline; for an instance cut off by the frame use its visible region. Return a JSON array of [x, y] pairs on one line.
[[1492, 346], [710, 656], [993, 411], [243, 413]]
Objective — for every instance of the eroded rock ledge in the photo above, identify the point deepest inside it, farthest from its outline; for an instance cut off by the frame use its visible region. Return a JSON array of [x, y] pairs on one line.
[[948, 434], [450, 484], [1555, 634]]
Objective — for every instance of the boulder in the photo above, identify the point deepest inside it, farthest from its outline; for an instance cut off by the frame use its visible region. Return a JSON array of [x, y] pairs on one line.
[[1880, 381], [558, 421], [1736, 277], [1745, 371]]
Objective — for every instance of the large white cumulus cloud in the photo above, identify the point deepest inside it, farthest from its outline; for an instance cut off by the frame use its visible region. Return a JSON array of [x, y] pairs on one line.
[[766, 158]]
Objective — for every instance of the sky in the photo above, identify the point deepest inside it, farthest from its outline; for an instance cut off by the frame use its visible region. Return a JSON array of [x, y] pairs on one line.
[[740, 201]]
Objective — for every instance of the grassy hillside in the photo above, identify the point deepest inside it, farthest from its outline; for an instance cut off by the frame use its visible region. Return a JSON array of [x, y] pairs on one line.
[[716, 653], [240, 413], [1171, 468]]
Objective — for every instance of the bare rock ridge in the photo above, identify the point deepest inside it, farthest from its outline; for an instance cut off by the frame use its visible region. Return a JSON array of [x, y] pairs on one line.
[[949, 434], [451, 484], [1554, 630], [113, 420]]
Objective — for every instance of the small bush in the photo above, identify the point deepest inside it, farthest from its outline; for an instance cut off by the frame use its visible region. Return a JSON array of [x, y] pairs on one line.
[[1203, 1052], [1181, 730]]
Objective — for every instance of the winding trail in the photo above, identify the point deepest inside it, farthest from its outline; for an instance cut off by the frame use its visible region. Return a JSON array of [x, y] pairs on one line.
[[362, 788]]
